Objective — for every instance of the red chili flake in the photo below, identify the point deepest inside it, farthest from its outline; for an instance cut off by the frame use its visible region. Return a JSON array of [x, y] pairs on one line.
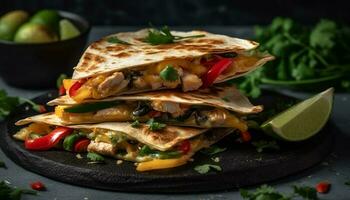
[[246, 137], [42, 109], [323, 187], [61, 90], [38, 186]]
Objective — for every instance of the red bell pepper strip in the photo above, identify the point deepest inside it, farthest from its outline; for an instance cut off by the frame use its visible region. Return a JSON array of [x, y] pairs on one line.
[[61, 90], [185, 146], [48, 141], [81, 145], [75, 87], [215, 71], [246, 137], [38, 186]]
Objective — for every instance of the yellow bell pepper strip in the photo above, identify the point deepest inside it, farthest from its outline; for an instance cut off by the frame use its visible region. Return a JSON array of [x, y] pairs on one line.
[[161, 164]]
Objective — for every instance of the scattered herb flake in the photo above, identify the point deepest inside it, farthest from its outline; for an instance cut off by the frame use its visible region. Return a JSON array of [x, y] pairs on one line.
[[262, 145], [212, 150], [94, 157], [116, 40], [169, 73], [155, 126], [205, 168], [347, 183]]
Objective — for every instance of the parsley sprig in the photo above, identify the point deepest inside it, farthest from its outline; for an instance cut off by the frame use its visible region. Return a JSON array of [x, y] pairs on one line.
[[163, 36]]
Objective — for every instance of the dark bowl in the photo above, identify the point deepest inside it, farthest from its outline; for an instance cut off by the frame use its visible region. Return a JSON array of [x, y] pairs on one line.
[[39, 65]]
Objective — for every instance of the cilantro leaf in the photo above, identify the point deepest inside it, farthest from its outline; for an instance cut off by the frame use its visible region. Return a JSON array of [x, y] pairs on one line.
[[13, 193], [95, 157], [116, 40], [262, 145], [212, 150], [203, 169], [164, 36], [306, 192], [264, 192], [135, 124], [155, 126], [169, 73]]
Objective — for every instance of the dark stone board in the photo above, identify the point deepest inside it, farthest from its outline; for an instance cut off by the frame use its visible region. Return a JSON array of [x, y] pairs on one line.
[[242, 165]]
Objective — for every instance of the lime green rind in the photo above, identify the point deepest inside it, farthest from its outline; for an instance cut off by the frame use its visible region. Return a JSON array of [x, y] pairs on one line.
[[303, 120]]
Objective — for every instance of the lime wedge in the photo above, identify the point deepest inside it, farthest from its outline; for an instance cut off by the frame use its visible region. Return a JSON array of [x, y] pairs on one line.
[[303, 120], [68, 30]]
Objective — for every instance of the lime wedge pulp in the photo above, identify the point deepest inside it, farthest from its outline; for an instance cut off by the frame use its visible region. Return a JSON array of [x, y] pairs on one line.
[[302, 120], [67, 29]]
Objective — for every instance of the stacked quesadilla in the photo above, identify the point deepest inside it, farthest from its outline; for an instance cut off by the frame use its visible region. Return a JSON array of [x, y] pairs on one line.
[[155, 105]]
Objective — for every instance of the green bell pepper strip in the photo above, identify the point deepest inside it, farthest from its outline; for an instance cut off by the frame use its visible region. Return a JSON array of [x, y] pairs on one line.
[[91, 107], [68, 142], [147, 151]]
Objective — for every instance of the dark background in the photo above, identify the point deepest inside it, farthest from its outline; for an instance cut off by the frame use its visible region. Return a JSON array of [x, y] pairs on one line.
[[190, 12]]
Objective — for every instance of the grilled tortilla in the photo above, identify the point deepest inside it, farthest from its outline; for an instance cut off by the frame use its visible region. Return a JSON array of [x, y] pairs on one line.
[[206, 108], [151, 149], [108, 69]]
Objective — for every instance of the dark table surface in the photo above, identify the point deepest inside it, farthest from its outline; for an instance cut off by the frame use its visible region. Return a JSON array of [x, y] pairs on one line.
[[335, 168]]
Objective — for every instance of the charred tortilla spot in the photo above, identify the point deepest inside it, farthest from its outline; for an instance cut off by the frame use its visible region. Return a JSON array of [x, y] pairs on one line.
[[121, 55], [209, 41], [90, 61], [116, 48]]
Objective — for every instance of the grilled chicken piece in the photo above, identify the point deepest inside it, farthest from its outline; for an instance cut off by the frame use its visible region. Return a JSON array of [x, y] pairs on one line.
[[190, 82], [170, 107], [102, 148], [114, 83]]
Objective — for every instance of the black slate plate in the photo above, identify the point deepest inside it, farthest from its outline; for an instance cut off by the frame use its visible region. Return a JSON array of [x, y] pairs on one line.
[[241, 164]]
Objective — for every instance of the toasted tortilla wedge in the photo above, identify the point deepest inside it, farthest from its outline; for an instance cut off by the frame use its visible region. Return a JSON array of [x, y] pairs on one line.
[[223, 97], [161, 140], [103, 56]]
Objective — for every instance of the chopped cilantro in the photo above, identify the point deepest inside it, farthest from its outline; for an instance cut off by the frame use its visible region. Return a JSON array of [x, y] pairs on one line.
[[155, 126], [262, 145], [164, 36], [169, 73], [205, 168], [13, 193], [135, 124], [116, 40], [212, 150], [95, 157]]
